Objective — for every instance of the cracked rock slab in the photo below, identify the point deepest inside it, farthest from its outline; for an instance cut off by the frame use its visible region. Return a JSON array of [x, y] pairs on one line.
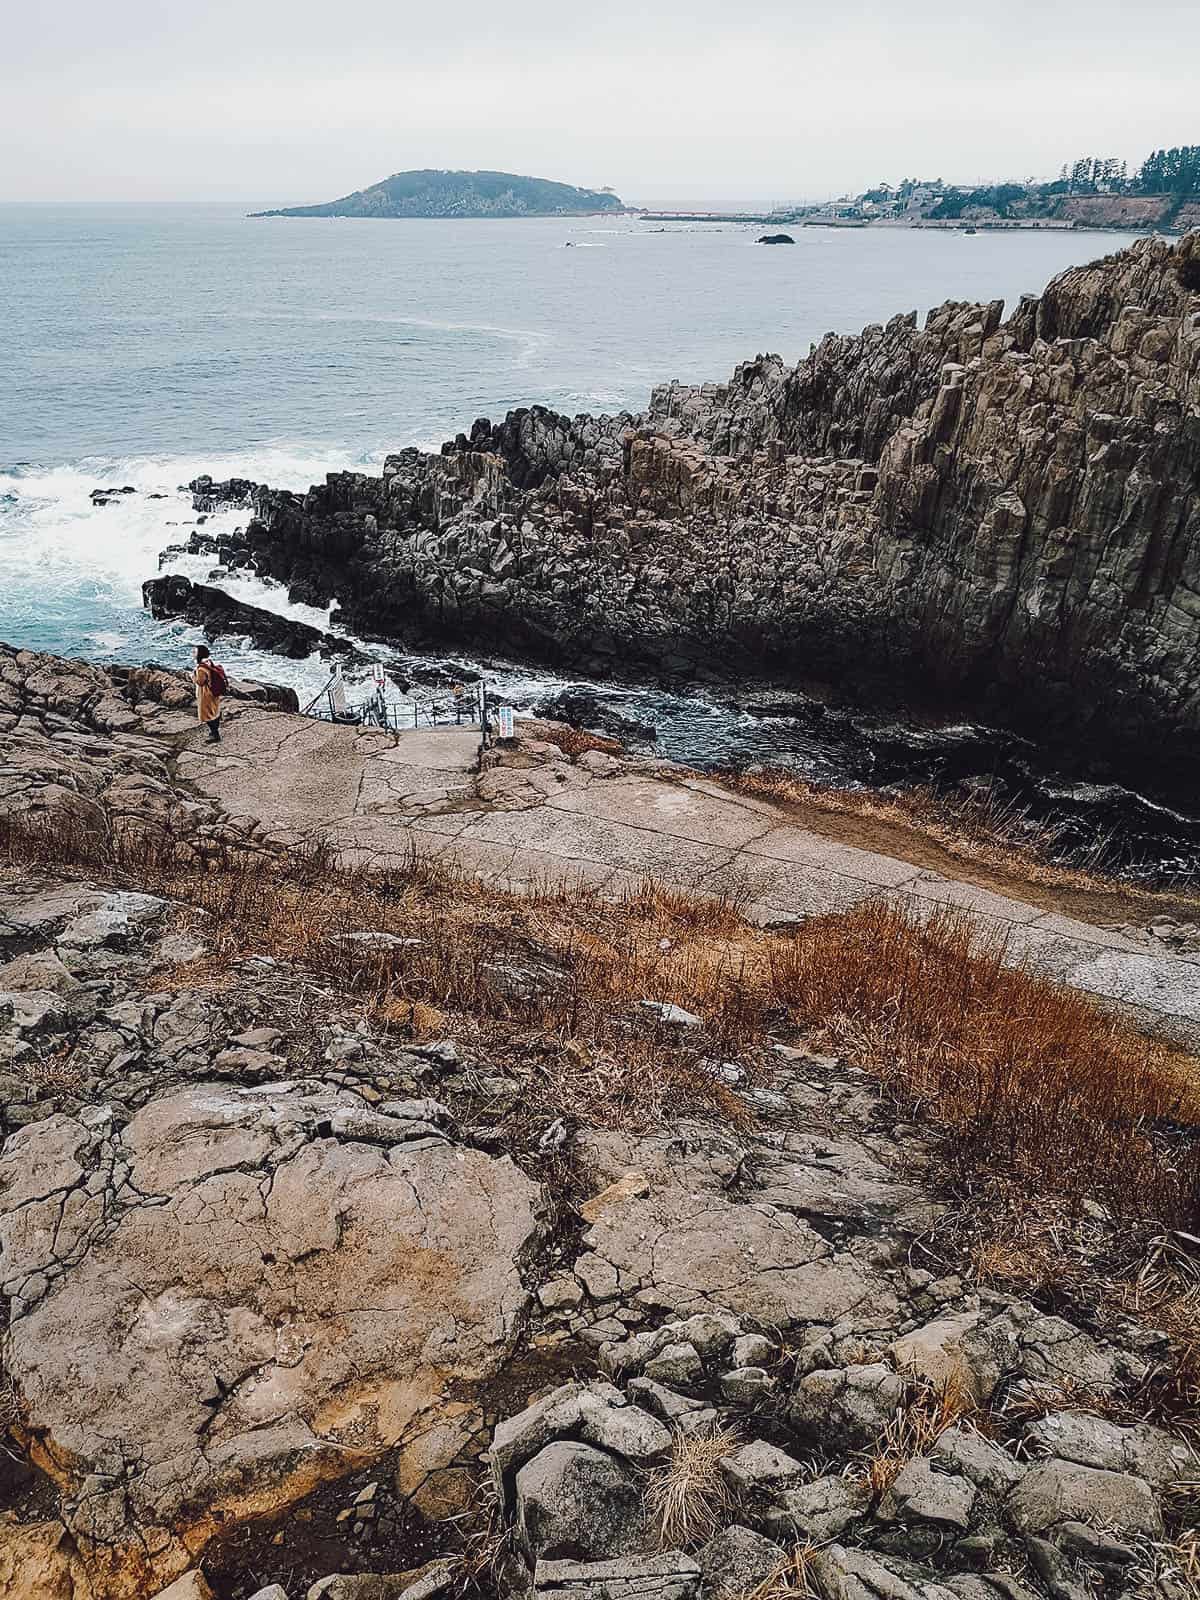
[[265, 1288], [673, 1576], [691, 1246]]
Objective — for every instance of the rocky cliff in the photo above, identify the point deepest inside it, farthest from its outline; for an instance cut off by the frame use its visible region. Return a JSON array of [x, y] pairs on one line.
[[1004, 514]]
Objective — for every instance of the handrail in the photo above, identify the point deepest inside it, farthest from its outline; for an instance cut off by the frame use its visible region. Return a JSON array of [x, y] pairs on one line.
[[324, 689], [431, 704]]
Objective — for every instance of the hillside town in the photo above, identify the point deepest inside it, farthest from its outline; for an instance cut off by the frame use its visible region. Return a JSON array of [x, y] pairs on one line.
[[1092, 191]]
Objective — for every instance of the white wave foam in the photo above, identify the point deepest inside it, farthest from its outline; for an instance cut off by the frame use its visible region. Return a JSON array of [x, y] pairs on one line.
[[52, 537]]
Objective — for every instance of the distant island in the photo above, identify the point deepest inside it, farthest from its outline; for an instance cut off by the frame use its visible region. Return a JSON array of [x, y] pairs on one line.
[[430, 193]]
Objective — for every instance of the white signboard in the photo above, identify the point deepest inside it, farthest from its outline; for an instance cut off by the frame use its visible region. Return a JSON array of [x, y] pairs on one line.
[[506, 722]]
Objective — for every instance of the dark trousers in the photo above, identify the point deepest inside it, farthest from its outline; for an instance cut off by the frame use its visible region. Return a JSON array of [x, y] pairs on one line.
[[214, 729]]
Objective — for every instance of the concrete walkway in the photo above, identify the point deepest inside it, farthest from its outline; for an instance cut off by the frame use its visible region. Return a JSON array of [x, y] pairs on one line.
[[539, 818]]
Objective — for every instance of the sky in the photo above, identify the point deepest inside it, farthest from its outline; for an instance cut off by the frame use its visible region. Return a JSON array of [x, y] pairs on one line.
[[280, 102]]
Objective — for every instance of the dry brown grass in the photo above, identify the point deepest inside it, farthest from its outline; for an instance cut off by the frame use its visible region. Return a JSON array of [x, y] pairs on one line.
[[1027, 1080], [59, 1073], [690, 1498], [1170, 1570], [575, 741], [916, 1427], [1166, 1291], [791, 1578]]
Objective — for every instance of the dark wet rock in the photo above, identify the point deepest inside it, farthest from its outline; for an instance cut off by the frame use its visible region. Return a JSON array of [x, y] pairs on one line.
[[583, 708], [775, 238], [218, 613], [229, 494]]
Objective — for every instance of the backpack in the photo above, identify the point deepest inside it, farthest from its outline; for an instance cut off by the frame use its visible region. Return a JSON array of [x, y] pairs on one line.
[[217, 681]]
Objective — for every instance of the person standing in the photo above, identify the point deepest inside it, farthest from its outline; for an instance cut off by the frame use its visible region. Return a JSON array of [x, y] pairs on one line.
[[210, 686]]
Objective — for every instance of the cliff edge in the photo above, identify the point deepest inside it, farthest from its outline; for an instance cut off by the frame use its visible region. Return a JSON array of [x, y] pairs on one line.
[[1005, 514]]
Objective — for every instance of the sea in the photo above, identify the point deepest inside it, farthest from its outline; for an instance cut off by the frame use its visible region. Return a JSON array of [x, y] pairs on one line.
[[143, 345]]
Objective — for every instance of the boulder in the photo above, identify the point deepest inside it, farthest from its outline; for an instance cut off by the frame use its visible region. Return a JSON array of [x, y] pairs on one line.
[[752, 1350], [574, 1501], [850, 1403], [595, 1413], [1142, 1449], [746, 1386], [921, 1494], [191, 1586], [759, 1465], [735, 1561], [677, 1363], [817, 1512], [1062, 1491], [937, 1353], [966, 1452]]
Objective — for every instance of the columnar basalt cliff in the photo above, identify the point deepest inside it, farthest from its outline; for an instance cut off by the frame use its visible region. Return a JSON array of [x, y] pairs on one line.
[[1005, 513]]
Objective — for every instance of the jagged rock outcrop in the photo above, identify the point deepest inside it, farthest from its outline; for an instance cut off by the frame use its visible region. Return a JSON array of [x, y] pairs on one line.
[[1002, 513], [82, 748]]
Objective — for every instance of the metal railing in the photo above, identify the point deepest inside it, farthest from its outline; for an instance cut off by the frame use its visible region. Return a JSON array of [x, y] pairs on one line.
[[430, 708]]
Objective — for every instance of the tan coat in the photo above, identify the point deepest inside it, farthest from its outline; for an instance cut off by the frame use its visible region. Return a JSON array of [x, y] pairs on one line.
[[208, 705]]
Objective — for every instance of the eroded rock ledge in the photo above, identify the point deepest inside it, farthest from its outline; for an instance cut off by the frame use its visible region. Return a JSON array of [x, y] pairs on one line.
[[299, 1307], [1001, 512]]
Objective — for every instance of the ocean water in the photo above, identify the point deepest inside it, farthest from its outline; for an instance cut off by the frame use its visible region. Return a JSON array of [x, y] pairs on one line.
[[143, 345]]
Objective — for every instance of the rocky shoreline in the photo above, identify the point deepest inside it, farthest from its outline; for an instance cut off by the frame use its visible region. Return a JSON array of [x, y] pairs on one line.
[[998, 514]]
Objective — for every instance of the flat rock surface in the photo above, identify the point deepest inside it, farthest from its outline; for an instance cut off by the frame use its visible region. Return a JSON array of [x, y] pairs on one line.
[[260, 1284], [688, 1245], [528, 821]]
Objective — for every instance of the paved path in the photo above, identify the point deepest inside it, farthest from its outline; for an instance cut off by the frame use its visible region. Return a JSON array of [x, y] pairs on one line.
[[541, 818]]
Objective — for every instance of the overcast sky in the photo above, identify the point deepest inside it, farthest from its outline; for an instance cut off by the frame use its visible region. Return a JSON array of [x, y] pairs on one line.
[[286, 101]]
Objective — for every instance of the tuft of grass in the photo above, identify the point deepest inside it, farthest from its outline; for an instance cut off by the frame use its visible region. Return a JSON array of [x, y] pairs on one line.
[[689, 1497], [916, 1427], [1169, 1569], [792, 1577]]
